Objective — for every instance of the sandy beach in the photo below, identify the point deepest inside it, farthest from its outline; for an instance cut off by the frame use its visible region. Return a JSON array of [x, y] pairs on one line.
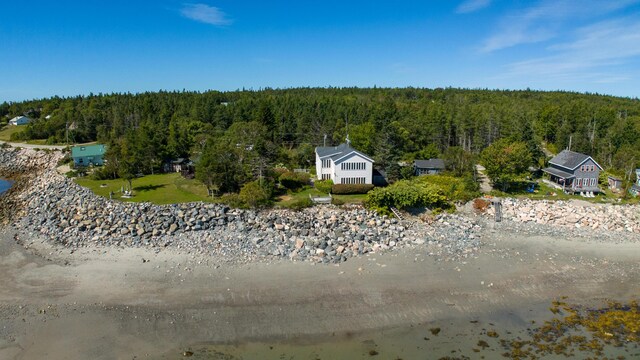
[[112, 303]]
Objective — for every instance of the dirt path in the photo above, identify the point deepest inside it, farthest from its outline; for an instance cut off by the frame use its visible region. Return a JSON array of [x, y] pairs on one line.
[[33, 146], [485, 183], [117, 303]]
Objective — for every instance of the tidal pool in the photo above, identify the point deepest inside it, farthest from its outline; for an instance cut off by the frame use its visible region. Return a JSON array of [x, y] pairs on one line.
[[4, 185], [556, 331]]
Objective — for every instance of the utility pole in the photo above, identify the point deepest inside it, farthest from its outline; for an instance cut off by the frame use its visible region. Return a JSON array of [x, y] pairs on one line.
[[570, 138], [324, 143], [346, 120]]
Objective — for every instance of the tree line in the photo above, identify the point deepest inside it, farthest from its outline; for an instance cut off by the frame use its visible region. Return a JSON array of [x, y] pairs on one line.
[[242, 134]]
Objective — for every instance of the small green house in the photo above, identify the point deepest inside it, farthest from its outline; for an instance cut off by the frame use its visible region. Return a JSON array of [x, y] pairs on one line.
[[86, 155]]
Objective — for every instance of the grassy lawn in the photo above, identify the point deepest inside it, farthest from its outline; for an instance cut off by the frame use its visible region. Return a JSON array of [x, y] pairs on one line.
[[351, 199], [158, 189], [5, 133], [291, 198]]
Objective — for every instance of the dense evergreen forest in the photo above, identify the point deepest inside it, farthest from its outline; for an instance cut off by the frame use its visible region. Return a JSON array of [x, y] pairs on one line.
[[283, 126]]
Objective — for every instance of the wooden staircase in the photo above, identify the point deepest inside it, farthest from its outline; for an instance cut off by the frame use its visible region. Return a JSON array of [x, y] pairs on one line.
[[396, 212]]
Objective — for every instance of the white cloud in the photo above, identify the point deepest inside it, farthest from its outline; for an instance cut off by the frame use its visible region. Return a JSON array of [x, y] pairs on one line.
[[205, 14], [469, 6], [544, 20], [595, 54]]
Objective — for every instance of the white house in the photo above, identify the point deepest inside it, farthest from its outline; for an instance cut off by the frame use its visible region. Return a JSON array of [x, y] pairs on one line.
[[343, 165], [19, 120]]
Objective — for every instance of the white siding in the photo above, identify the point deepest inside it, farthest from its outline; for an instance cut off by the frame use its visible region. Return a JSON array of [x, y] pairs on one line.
[[19, 120], [320, 170], [358, 170], [366, 173], [318, 167]]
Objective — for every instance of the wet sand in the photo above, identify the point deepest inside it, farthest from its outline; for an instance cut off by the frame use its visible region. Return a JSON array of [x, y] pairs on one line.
[[135, 303]]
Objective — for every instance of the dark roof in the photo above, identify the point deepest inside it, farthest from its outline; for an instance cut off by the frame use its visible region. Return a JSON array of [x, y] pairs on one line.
[[337, 152], [378, 172], [341, 149], [429, 164], [635, 187], [613, 178], [570, 159], [558, 173]]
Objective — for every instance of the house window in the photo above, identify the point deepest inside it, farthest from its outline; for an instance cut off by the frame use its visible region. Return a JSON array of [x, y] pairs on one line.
[[326, 163], [326, 176], [353, 166], [354, 180]]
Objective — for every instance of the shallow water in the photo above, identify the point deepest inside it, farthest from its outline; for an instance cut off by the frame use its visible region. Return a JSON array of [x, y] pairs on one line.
[[475, 337], [4, 185]]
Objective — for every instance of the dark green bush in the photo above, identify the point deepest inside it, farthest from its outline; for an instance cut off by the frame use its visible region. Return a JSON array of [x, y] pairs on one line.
[[343, 189], [103, 173], [293, 180], [66, 159]]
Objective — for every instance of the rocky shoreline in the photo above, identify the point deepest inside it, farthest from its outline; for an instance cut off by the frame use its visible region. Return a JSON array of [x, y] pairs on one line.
[[53, 207], [579, 218], [47, 205]]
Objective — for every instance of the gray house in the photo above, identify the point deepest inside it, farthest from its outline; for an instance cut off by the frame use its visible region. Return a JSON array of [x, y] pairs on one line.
[[615, 183], [428, 167], [574, 172]]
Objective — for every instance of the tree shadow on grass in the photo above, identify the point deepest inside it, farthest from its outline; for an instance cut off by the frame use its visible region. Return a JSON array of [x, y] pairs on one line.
[[148, 187]]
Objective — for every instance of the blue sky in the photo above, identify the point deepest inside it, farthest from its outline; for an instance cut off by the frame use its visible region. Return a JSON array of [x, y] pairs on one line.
[[68, 48]]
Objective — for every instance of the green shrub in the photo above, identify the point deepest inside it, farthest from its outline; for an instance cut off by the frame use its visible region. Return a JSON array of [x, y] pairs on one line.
[[324, 186], [104, 173], [254, 195], [454, 188], [302, 203], [66, 159], [406, 194], [293, 181], [71, 174], [336, 201], [278, 171], [343, 189], [232, 199]]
